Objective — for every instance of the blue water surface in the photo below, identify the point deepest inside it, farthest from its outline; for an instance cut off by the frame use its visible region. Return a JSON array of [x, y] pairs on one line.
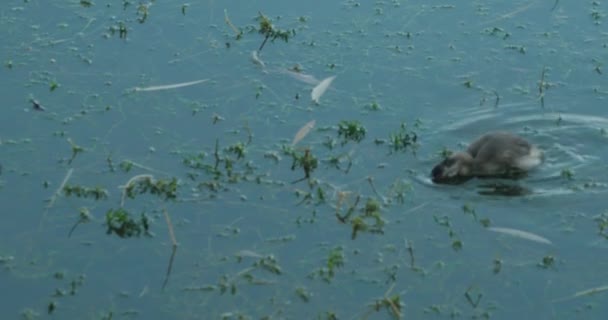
[[367, 235]]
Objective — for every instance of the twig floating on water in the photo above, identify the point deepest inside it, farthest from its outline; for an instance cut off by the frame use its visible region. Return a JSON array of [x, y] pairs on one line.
[[320, 89], [169, 86], [36, 105], [541, 87], [229, 23], [173, 247], [497, 99], [58, 191]]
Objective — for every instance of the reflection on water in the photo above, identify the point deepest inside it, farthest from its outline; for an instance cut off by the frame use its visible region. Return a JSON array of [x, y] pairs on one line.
[[503, 189]]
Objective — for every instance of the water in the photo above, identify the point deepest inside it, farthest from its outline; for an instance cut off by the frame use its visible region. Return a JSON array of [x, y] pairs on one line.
[[449, 71]]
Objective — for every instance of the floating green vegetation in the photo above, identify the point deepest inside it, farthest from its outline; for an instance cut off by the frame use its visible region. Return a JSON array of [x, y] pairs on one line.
[[543, 86], [53, 85], [567, 174], [351, 131], [266, 29], [305, 161], [519, 48], [315, 196], [74, 285], [237, 149], [547, 262], [125, 165], [342, 162], [369, 218], [497, 32], [51, 307], [403, 140], [29, 314], [120, 29], [373, 106], [602, 224], [468, 209], [268, 263], [84, 216], [335, 260], [76, 149], [166, 189], [227, 166], [445, 222], [596, 14], [303, 294], [496, 266], [143, 9], [121, 223], [391, 303], [230, 284], [97, 193], [61, 293]]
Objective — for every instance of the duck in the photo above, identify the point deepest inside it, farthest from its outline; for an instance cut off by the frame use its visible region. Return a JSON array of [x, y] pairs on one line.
[[494, 154]]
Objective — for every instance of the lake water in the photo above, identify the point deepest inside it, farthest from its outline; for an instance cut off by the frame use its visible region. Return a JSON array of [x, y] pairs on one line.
[[366, 235]]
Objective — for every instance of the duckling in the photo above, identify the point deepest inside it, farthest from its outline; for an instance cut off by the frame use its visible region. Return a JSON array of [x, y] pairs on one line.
[[494, 154]]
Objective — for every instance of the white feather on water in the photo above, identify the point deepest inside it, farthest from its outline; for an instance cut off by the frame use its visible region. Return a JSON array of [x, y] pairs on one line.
[[303, 132], [587, 292], [256, 59], [320, 89], [306, 78], [521, 234], [170, 86]]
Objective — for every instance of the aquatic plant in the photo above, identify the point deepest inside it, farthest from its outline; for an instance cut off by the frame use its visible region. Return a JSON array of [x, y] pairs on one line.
[[305, 161], [351, 131], [403, 140], [97, 193], [121, 222], [267, 29], [84, 216]]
